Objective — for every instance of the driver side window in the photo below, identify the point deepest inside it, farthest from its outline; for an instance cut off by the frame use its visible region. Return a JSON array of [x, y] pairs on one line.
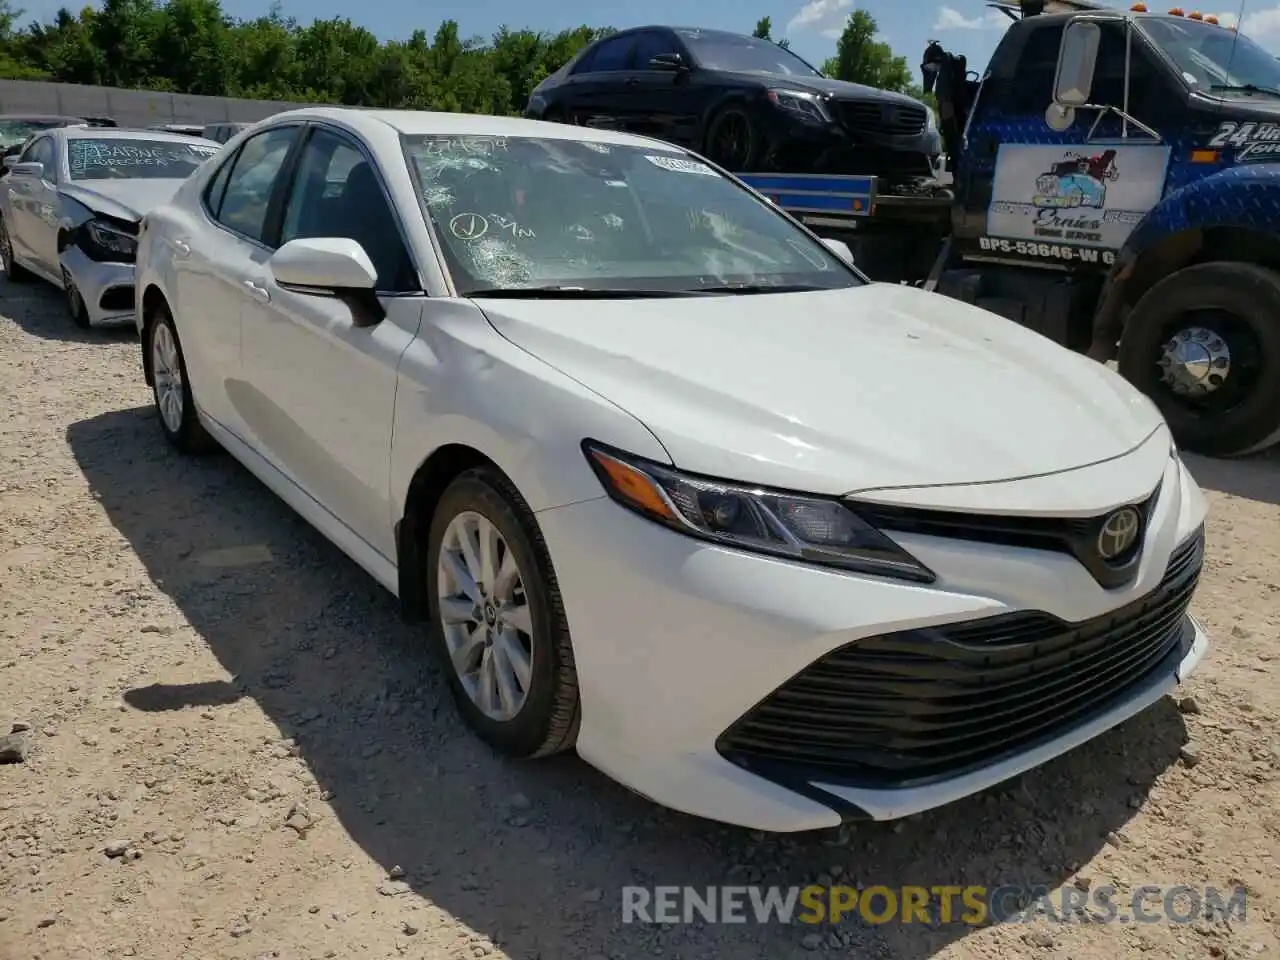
[[41, 151], [650, 44], [337, 193]]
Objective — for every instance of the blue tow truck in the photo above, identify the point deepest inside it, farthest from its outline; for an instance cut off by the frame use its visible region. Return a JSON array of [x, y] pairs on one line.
[[1116, 188]]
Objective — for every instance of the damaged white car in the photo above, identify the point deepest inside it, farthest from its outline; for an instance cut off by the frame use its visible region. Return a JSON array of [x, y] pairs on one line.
[[71, 205], [671, 481]]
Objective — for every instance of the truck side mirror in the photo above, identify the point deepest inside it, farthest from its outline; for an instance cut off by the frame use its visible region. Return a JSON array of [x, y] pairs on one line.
[[1073, 82]]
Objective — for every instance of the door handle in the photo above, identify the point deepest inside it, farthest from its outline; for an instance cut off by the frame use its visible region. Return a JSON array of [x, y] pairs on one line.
[[258, 290], [631, 81], [184, 250]]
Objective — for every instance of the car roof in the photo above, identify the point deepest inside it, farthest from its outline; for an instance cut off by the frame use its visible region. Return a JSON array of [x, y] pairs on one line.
[[133, 133], [426, 123], [39, 117]]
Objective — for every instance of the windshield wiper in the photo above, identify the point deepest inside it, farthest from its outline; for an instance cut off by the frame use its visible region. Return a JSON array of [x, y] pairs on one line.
[[761, 288], [1244, 88], [579, 293]]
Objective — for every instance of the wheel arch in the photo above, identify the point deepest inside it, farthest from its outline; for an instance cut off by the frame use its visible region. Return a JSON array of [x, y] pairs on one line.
[[1229, 215], [152, 299], [428, 484]]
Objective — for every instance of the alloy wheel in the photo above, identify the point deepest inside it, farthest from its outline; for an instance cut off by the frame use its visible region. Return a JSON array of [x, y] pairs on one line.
[[485, 615], [167, 372]]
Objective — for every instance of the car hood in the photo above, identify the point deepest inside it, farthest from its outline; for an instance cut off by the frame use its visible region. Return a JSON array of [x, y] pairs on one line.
[[838, 391], [125, 199]]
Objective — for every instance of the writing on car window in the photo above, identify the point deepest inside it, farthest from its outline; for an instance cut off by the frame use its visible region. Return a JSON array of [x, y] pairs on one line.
[[118, 158], [524, 211]]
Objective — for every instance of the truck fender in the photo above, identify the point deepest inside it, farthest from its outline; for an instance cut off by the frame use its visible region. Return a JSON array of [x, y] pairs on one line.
[[1244, 199]]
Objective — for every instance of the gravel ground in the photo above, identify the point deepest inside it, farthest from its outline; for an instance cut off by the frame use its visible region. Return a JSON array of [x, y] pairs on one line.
[[235, 750]]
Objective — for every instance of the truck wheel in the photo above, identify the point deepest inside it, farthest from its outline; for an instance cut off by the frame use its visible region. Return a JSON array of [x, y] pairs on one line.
[[1204, 344], [732, 140]]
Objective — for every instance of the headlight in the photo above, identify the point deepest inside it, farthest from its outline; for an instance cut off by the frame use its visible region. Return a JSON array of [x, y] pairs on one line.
[[805, 105], [931, 120], [812, 529], [112, 242]]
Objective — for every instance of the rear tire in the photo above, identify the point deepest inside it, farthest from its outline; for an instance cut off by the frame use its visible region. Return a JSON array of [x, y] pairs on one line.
[[504, 616], [171, 387], [1215, 327], [13, 272]]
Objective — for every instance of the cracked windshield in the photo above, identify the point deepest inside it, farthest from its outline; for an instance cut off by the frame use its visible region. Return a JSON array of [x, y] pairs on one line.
[[518, 213], [117, 158]]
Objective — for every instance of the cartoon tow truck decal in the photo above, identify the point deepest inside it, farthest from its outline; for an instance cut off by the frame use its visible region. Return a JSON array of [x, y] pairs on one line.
[[1077, 181]]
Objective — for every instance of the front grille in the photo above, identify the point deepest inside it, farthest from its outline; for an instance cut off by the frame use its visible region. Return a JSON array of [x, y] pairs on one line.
[[1077, 536], [887, 119], [920, 705]]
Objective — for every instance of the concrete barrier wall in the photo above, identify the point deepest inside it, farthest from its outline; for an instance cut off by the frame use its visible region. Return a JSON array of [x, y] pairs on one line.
[[132, 107]]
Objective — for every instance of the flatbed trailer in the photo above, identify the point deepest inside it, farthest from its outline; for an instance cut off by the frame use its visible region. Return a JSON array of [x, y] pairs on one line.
[[894, 236]]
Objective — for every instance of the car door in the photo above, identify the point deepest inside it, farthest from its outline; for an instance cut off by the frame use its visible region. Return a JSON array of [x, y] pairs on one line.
[[596, 92], [656, 102], [33, 208], [327, 385], [48, 212], [219, 256]]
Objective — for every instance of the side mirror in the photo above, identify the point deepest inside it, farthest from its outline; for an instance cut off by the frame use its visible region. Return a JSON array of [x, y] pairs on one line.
[[839, 248], [331, 266], [324, 264], [32, 168], [1073, 82], [667, 61]]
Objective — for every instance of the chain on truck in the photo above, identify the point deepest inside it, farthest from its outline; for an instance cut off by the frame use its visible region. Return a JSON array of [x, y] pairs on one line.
[[1117, 188]]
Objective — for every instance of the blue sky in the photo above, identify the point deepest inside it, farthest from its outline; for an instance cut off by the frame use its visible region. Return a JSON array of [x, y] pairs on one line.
[[963, 26]]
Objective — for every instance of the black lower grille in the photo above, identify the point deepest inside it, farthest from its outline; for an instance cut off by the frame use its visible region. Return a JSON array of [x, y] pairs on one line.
[[926, 704], [882, 117]]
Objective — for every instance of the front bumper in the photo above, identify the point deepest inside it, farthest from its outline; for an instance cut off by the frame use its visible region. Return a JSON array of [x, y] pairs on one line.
[[107, 288], [676, 640]]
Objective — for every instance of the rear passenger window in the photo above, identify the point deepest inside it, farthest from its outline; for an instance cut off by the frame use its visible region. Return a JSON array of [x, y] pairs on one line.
[[217, 184], [253, 180]]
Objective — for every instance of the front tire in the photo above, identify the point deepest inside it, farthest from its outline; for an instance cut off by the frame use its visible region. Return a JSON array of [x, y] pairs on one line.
[[171, 388], [76, 306], [497, 621], [733, 140], [1204, 345]]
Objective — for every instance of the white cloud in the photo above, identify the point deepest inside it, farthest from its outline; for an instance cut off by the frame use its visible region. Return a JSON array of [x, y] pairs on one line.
[[821, 16], [1260, 25], [950, 18]]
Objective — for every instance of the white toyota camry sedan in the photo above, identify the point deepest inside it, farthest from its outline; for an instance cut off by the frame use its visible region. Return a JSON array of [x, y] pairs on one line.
[[671, 482]]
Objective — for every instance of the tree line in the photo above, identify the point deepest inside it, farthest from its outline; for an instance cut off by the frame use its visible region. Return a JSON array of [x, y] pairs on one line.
[[193, 47]]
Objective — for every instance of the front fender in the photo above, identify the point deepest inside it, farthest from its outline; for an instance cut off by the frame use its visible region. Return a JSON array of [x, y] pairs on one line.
[[461, 382], [1245, 196]]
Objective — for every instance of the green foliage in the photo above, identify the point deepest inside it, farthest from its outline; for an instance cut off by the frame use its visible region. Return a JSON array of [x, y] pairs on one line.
[[192, 46], [861, 58], [764, 31]]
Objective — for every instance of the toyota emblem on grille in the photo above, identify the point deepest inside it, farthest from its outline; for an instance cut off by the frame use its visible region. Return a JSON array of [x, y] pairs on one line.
[[1119, 533]]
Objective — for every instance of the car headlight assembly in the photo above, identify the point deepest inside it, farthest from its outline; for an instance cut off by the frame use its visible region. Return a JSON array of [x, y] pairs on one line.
[[818, 530], [803, 105], [110, 242], [931, 119]]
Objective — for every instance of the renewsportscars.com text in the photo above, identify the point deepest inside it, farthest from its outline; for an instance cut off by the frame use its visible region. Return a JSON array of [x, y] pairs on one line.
[[967, 905]]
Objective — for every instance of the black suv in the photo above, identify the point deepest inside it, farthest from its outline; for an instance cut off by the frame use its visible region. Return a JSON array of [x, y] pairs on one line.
[[745, 103]]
